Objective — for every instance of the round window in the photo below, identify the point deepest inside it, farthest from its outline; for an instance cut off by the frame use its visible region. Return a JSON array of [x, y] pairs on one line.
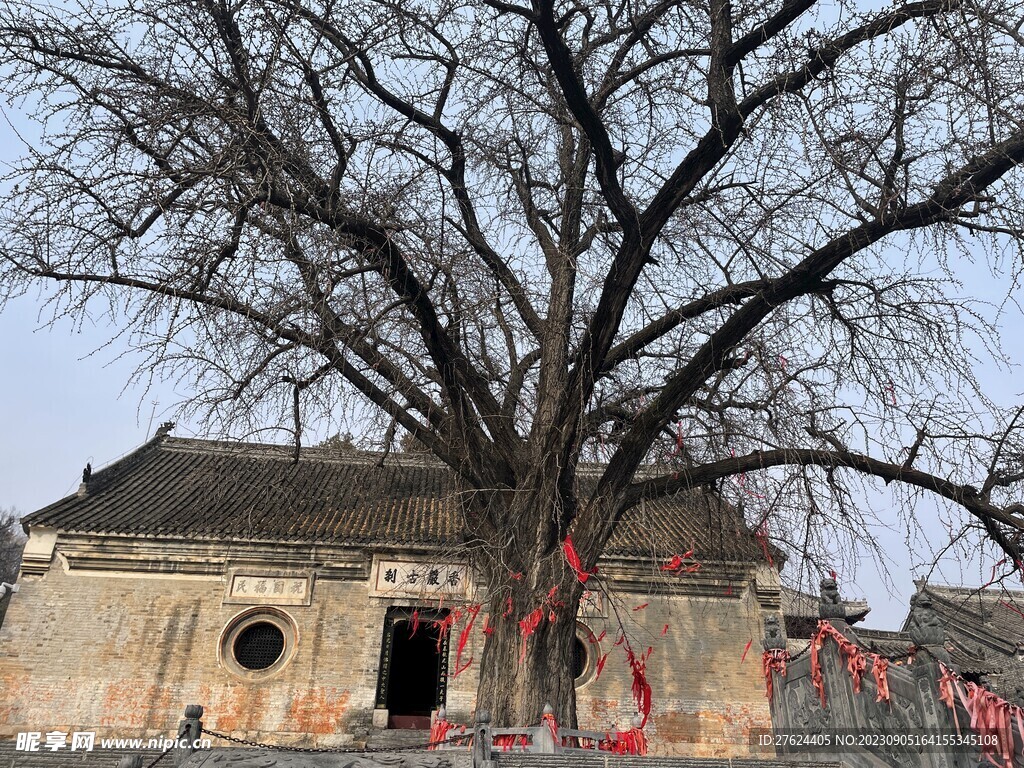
[[585, 651], [579, 658], [259, 645], [258, 642]]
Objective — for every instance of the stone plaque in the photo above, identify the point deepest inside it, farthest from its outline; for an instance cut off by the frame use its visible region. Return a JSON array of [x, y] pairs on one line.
[[418, 579], [251, 587]]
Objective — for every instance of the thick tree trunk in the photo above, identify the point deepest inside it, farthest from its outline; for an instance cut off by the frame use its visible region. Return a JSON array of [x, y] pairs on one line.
[[527, 665], [532, 593]]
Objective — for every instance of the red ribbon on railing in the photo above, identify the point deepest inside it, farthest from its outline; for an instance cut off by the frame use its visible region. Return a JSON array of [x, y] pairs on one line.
[[631, 742], [439, 731], [773, 660], [990, 715], [552, 724], [880, 671], [947, 683], [856, 662]]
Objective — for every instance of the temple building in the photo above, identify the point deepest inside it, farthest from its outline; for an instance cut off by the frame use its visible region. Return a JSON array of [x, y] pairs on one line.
[[305, 604]]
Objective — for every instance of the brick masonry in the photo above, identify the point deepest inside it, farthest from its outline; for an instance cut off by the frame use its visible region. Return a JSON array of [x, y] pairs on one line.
[[117, 636]]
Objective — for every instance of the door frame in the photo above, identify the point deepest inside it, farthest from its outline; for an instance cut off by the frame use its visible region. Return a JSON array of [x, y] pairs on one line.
[[393, 616]]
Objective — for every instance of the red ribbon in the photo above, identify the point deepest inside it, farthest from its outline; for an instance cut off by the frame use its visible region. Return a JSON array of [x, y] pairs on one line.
[[641, 688], [439, 732], [573, 558], [528, 626], [880, 671], [990, 715], [746, 650], [773, 660], [472, 611], [856, 663]]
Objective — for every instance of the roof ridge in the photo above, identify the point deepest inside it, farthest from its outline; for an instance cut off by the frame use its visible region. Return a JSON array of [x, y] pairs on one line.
[[984, 591], [359, 456], [333, 454]]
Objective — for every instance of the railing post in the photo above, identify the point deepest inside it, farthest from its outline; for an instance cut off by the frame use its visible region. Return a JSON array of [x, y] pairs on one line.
[[546, 744], [439, 728], [482, 740], [638, 739], [190, 730]]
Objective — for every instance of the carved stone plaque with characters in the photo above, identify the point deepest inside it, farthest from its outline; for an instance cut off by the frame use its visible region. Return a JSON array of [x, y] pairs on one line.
[[255, 587]]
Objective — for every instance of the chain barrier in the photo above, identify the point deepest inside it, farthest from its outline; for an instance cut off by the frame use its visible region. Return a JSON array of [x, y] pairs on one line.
[[164, 754], [797, 655], [338, 750]]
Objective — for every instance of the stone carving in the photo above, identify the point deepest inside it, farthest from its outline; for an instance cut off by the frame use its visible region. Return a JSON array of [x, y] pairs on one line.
[[805, 708], [831, 605], [925, 626], [774, 640], [267, 758]]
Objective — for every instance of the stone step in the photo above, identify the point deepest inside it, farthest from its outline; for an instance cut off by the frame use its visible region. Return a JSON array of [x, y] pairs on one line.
[[397, 737]]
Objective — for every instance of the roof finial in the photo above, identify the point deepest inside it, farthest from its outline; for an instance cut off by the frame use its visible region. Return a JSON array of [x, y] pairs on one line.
[[164, 429], [87, 472]]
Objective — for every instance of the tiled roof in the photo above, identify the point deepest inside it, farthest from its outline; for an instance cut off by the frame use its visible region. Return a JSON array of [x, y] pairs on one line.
[[179, 487], [994, 617], [985, 634], [800, 613], [805, 605]]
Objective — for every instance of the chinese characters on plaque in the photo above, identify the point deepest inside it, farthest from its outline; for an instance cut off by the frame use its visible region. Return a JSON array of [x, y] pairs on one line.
[[400, 578], [274, 589]]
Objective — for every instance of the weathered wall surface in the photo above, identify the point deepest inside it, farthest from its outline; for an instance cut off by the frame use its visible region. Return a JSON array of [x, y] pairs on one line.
[[706, 696], [114, 639]]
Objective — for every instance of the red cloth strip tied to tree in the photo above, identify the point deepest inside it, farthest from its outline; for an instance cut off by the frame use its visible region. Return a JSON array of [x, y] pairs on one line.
[[573, 558], [641, 688], [472, 611], [528, 626], [444, 626], [773, 660]]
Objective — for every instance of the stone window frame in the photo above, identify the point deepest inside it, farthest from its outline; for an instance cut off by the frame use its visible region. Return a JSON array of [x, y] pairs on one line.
[[593, 650], [258, 614]]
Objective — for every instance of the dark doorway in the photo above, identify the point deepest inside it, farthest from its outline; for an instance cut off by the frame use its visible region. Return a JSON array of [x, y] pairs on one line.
[[415, 673], [413, 668]]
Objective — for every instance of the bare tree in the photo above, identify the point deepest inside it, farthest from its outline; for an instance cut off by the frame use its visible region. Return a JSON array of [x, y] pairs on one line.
[[12, 542], [714, 245]]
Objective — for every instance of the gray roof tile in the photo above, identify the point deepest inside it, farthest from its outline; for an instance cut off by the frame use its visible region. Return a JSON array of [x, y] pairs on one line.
[[181, 487]]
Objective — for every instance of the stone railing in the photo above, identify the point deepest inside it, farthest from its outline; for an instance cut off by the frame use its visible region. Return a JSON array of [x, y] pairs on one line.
[[915, 727], [549, 738]]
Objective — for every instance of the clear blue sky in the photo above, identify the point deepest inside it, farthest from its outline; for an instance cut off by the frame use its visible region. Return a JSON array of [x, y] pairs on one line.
[[63, 402]]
